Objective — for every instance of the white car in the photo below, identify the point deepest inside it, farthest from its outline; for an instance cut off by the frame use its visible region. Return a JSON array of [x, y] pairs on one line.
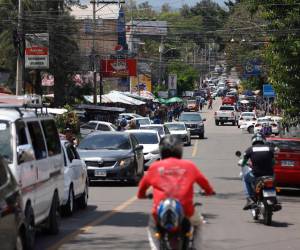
[[149, 139], [142, 120], [179, 128], [260, 121], [75, 180], [160, 128], [246, 117], [92, 126]]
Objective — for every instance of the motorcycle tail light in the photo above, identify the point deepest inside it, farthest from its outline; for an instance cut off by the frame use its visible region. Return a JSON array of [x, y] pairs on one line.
[[268, 183]]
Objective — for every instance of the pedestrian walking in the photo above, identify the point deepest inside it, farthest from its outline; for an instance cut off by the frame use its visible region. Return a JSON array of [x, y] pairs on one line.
[[210, 103]]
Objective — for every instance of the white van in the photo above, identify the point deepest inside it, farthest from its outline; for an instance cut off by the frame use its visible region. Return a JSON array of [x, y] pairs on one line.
[[31, 145]]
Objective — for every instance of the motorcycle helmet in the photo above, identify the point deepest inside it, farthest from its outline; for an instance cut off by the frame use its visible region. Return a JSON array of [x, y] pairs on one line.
[[170, 214], [123, 123], [170, 146], [258, 138]]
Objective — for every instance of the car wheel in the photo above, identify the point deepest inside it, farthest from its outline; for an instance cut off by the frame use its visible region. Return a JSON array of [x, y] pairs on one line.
[[189, 142], [222, 123], [54, 216], [233, 123], [68, 209], [29, 228], [83, 199], [238, 126], [217, 123], [201, 136]]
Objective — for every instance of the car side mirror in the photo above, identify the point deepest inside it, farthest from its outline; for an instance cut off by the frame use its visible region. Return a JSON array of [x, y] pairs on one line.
[[238, 153], [25, 153], [204, 119], [139, 147]]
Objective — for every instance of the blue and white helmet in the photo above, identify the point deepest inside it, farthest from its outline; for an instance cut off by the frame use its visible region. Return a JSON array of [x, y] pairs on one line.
[[170, 214]]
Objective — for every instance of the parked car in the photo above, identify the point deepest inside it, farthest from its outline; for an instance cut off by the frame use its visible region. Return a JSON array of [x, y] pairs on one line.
[[12, 222], [150, 142], [226, 113], [31, 145], [246, 117], [92, 126], [160, 128], [112, 155], [179, 128], [76, 180], [287, 164], [194, 123]]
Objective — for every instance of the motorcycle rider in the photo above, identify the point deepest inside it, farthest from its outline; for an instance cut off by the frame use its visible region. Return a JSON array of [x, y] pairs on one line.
[[262, 158], [174, 177], [266, 130]]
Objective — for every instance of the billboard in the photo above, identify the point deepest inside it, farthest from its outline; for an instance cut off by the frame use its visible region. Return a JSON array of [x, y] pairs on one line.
[[144, 81], [172, 81], [147, 28], [37, 51], [118, 67]]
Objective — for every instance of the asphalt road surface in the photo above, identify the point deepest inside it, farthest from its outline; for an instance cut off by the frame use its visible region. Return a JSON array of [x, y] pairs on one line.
[[115, 219]]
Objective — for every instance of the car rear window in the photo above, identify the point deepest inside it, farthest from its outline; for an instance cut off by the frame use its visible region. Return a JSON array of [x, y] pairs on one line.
[[286, 144], [186, 117], [224, 108], [90, 125], [146, 138]]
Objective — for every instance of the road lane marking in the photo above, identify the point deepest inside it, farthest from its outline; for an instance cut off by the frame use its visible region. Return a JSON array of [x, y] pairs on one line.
[[89, 226], [195, 149]]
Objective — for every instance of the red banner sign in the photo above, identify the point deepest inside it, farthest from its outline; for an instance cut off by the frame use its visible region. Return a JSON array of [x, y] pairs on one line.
[[118, 67]]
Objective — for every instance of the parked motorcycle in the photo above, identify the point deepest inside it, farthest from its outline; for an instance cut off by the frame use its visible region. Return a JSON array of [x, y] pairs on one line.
[[173, 230], [266, 202]]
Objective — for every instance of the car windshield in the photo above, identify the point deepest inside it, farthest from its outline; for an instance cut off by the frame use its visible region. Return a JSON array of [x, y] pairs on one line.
[[227, 108], [143, 121], [286, 144], [190, 117], [90, 125], [5, 141], [175, 126], [159, 129], [146, 138], [247, 114], [105, 141], [191, 102]]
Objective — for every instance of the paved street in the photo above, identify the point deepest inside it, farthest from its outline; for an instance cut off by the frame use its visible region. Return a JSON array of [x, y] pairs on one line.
[[116, 220]]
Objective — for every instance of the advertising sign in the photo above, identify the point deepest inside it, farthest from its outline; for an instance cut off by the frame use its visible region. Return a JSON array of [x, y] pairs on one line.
[[37, 51], [118, 67], [172, 81], [144, 81]]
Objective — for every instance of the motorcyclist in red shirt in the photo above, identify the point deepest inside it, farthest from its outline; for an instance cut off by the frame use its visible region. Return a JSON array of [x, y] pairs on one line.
[[174, 177]]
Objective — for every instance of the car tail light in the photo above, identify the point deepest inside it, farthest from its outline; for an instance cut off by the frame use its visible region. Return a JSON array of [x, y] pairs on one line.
[[268, 183]]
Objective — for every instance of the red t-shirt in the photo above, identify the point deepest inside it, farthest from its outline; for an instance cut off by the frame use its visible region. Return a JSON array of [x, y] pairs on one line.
[[173, 178]]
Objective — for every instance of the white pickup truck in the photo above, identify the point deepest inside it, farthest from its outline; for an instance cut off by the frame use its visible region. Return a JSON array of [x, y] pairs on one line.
[[226, 113]]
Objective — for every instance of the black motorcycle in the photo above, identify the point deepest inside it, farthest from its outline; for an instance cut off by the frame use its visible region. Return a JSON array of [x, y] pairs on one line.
[[265, 200]]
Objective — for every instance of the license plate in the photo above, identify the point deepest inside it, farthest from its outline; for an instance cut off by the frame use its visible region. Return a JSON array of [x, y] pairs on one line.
[[269, 193], [100, 173], [223, 118], [287, 163]]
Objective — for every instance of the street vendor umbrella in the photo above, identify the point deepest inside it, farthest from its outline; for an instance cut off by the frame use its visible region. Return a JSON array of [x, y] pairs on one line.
[[162, 100], [174, 100]]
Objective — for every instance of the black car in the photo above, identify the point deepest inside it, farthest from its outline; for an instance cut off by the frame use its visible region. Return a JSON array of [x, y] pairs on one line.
[[113, 156], [12, 225], [194, 123]]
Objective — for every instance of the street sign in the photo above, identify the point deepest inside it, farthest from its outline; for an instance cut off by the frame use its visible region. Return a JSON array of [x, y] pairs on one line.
[[268, 90], [252, 68], [172, 81], [37, 51]]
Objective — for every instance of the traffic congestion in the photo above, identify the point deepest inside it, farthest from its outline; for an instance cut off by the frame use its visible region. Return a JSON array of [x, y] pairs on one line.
[[160, 125]]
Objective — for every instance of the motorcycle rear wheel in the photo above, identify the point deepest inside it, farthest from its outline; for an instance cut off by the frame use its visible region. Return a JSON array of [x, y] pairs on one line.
[[267, 215]]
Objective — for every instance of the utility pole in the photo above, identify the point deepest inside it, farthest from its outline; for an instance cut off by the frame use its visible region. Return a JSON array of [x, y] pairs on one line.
[[20, 59], [160, 50], [93, 2]]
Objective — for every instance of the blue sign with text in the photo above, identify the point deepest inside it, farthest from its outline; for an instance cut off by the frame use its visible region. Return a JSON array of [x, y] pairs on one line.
[[268, 90]]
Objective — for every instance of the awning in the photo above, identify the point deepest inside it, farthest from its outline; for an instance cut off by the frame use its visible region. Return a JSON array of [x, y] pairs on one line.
[[100, 108]]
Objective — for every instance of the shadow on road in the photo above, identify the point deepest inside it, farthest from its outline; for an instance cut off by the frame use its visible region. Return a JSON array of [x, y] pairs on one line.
[[281, 224], [229, 178], [105, 183]]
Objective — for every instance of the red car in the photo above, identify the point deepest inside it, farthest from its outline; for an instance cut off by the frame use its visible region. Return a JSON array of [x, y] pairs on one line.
[[229, 100], [287, 166]]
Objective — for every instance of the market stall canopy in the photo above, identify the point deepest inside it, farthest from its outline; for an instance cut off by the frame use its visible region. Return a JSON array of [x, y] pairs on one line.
[[144, 95], [115, 97], [162, 100], [100, 108], [174, 100]]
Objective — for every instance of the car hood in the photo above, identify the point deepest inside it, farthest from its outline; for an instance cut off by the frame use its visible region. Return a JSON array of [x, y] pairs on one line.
[[150, 148], [103, 154], [192, 122]]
